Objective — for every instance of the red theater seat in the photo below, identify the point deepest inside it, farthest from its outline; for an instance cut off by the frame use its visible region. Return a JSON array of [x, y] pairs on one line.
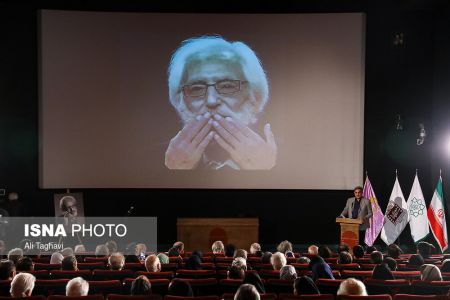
[[91, 266], [203, 287], [370, 297], [88, 297], [61, 274], [48, 267], [267, 274], [41, 274], [40, 297], [191, 298], [105, 287], [353, 266], [140, 297], [103, 259], [392, 287], [305, 297], [159, 286], [328, 286], [279, 286], [229, 285], [112, 274], [263, 297], [155, 275], [169, 267], [135, 267], [196, 274], [430, 288], [361, 275], [406, 274], [4, 287], [50, 287], [420, 297]]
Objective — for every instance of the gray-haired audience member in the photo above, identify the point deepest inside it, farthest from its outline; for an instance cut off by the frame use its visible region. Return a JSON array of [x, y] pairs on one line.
[[101, 250], [240, 253], [67, 252], [163, 258], [69, 263], [77, 287], [429, 272], [255, 247], [152, 263], [288, 272], [247, 292], [313, 250], [284, 246], [79, 249], [303, 260], [141, 286], [218, 247], [56, 258], [352, 286], [15, 254], [278, 260], [22, 285], [7, 269], [239, 262], [116, 261]]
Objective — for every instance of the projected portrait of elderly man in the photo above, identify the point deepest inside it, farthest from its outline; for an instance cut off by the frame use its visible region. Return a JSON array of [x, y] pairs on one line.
[[218, 89]]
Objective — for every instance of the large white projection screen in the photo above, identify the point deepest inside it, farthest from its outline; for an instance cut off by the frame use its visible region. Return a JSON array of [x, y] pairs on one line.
[[106, 119]]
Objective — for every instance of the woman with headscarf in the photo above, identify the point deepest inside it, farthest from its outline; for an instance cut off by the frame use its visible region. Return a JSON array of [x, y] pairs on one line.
[[382, 271], [305, 286], [253, 278]]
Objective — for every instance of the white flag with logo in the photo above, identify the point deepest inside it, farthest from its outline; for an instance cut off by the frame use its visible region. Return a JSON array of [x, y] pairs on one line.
[[396, 216], [417, 211]]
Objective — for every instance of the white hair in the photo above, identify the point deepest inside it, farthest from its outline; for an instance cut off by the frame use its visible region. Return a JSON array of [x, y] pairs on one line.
[[67, 252], [22, 285], [205, 48], [247, 292], [56, 258], [254, 248], [288, 272], [77, 287], [116, 261], [14, 254], [352, 286], [239, 262], [217, 247], [278, 260]]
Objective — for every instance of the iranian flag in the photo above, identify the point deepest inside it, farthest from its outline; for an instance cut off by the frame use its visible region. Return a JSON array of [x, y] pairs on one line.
[[436, 217]]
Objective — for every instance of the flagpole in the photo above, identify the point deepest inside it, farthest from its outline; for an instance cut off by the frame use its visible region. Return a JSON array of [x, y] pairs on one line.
[[398, 238]]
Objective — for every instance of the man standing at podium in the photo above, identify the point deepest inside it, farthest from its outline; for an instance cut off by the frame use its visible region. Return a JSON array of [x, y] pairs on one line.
[[358, 207]]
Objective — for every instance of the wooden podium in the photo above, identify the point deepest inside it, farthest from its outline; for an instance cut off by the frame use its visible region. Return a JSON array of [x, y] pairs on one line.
[[349, 231], [200, 233]]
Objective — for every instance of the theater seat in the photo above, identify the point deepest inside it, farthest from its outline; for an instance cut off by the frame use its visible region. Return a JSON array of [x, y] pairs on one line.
[[328, 286], [204, 286], [263, 297], [159, 286], [229, 285], [156, 275], [4, 287], [420, 297], [140, 297], [135, 267], [370, 297], [112, 274], [406, 274], [361, 275], [61, 274], [91, 266], [191, 298], [278, 286], [88, 297], [50, 287], [48, 267], [40, 297], [169, 267], [339, 267], [196, 274], [392, 287], [103, 259], [267, 274], [105, 287], [430, 288], [300, 297]]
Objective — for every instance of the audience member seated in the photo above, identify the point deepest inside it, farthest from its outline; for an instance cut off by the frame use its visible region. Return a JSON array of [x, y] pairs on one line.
[[101, 251], [56, 258], [415, 260], [7, 269], [194, 262], [392, 263], [255, 280], [344, 258], [424, 249], [79, 249], [288, 273], [140, 250], [163, 258], [69, 263], [254, 248], [289, 254], [304, 285], [313, 250], [218, 247], [430, 272], [235, 272], [247, 292], [177, 249], [278, 260], [382, 271], [141, 286], [343, 247], [284, 246], [240, 253], [67, 252], [352, 286], [239, 262], [229, 250], [152, 263], [394, 251], [179, 287], [358, 251], [320, 269], [303, 260], [25, 264], [112, 246], [116, 261], [266, 257], [376, 257], [445, 265], [22, 285], [324, 251], [77, 287], [15, 254], [130, 255], [370, 249]]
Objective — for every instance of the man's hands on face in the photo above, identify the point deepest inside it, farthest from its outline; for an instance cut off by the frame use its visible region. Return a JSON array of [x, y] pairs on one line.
[[246, 148], [186, 148]]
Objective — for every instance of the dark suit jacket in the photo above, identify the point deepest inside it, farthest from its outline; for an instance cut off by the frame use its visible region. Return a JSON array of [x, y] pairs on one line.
[[364, 214]]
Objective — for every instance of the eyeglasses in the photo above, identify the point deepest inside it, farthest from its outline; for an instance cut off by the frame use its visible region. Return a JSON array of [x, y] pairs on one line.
[[223, 87]]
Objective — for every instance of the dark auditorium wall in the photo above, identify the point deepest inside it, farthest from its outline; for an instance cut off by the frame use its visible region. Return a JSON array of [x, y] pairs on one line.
[[412, 79]]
